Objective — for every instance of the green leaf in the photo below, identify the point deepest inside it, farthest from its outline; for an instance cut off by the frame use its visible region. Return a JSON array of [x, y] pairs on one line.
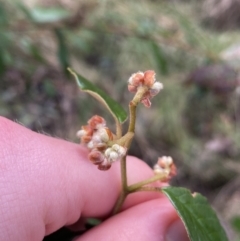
[[236, 223], [197, 215], [160, 57], [115, 109], [62, 52]]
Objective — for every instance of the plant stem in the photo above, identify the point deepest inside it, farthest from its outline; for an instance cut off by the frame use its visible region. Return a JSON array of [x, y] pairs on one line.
[[132, 121], [124, 192], [124, 173], [136, 186], [133, 107], [126, 141], [148, 189], [119, 203], [118, 128]]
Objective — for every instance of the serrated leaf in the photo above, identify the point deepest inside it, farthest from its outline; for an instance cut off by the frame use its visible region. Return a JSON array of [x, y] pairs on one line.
[[115, 109], [197, 215]]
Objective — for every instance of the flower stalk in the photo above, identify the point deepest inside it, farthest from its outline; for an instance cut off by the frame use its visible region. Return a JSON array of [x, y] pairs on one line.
[[106, 148]]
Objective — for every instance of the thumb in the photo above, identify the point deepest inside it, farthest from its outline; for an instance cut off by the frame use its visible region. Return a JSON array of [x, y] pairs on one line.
[[46, 183]]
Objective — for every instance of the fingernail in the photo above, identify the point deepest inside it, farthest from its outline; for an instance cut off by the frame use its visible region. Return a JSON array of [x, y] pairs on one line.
[[177, 232]]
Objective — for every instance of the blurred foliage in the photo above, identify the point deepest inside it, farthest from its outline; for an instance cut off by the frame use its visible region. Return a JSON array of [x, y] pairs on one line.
[[107, 41], [236, 225]]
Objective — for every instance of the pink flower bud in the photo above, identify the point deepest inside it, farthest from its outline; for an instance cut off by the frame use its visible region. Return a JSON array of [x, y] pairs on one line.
[[149, 78], [96, 122], [101, 147], [165, 165], [136, 79], [146, 101], [132, 88], [96, 157], [85, 134], [86, 139], [105, 165]]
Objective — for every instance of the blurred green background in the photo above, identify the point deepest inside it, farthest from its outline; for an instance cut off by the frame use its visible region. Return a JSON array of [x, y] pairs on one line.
[[193, 45]]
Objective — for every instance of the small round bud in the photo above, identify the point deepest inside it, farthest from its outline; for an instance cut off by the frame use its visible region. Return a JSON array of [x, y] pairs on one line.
[[149, 78], [105, 165], [158, 170], [90, 145], [136, 79], [107, 152], [96, 122], [96, 157], [113, 156], [86, 139], [101, 147], [81, 133], [119, 149], [165, 166], [165, 161], [96, 138], [157, 86], [132, 88]]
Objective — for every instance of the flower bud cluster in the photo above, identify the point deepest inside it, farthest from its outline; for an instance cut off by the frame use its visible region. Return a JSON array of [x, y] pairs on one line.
[[148, 80], [166, 166], [96, 136]]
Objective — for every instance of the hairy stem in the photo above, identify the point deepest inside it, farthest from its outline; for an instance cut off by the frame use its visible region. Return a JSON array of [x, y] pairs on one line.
[[118, 128], [148, 189], [126, 141], [133, 107], [124, 173], [136, 186], [124, 192], [119, 203]]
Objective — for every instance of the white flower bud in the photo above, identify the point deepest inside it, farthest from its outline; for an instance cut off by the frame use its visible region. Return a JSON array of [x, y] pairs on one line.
[[96, 138], [107, 152], [81, 133], [103, 135], [113, 156], [156, 87], [114, 153], [119, 149], [166, 160], [158, 170], [90, 145]]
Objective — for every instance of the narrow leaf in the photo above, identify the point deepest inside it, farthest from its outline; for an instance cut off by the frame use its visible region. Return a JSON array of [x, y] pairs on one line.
[[62, 52], [160, 57], [197, 215], [115, 109]]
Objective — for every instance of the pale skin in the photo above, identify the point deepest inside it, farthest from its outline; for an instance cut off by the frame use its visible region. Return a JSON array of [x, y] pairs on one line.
[[48, 183]]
